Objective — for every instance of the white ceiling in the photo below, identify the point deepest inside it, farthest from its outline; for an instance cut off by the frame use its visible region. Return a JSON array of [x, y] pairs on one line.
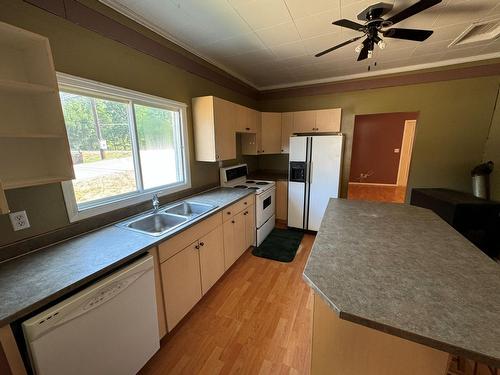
[[271, 43]]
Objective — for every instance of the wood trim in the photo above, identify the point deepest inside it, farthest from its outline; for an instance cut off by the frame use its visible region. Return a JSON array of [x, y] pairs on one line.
[[406, 150], [9, 347], [91, 19], [382, 82]]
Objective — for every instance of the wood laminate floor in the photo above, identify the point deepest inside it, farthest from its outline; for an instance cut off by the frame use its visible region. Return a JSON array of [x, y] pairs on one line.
[[256, 320]]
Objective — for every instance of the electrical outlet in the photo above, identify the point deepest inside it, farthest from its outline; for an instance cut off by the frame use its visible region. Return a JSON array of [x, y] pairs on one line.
[[19, 220]]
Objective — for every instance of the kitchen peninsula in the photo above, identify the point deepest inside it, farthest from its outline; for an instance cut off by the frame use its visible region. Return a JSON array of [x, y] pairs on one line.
[[396, 289]]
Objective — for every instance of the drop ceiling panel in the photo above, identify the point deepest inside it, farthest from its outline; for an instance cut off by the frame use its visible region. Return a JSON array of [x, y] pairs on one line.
[[272, 43]]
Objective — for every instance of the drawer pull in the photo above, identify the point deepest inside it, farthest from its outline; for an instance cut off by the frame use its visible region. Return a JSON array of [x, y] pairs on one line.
[[246, 213], [202, 244], [232, 221], [229, 212], [245, 202], [196, 247]]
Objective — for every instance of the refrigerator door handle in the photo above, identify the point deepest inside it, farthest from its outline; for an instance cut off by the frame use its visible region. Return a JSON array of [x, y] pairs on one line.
[[310, 172]]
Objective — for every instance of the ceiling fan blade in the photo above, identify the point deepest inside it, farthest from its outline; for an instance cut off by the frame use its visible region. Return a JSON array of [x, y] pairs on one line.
[[408, 34], [364, 52], [412, 10], [338, 46], [349, 24]]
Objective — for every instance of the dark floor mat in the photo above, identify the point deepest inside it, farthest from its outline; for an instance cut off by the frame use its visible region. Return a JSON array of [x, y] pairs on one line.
[[280, 245]]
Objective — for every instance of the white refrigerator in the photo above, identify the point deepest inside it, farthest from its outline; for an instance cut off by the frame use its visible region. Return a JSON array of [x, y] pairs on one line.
[[314, 177]]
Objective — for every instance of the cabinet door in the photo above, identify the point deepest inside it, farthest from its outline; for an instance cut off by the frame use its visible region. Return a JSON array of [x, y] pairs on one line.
[[304, 121], [181, 283], [286, 131], [253, 120], [281, 200], [234, 238], [211, 258], [250, 229], [225, 135], [271, 133], [328, 120]]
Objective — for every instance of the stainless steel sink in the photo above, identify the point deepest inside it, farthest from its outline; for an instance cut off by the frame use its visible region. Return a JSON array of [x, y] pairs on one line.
[[189, 209], [155, 224], [167, 219]]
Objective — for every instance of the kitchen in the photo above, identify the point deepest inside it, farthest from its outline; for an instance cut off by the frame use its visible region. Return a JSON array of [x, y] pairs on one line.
[[132, 70]]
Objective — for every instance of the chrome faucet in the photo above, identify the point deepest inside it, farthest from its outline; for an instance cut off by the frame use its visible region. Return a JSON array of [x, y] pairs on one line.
[[156, 202]]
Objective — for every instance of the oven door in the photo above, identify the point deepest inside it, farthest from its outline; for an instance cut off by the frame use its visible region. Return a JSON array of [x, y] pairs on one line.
[[265, 206]]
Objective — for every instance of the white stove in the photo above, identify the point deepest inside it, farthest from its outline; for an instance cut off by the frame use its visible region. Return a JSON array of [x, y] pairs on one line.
[[265, 193]]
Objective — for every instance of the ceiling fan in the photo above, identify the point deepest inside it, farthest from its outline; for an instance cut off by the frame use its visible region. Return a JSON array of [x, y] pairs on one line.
[[375, 24]]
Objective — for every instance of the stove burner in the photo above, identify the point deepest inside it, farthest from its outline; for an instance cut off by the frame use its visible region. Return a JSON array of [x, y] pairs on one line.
[[240, 186], [262, 183], [250, 182]]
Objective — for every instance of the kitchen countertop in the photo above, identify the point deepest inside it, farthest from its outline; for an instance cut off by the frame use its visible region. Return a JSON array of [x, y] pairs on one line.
[[402, 270], [270, 175], [32, 281]]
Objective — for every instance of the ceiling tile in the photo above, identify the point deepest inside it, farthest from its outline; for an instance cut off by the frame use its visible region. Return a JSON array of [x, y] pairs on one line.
[[302, 8], [271, 42], [280, 34], [263, 13], [288, 50], [318, 24]]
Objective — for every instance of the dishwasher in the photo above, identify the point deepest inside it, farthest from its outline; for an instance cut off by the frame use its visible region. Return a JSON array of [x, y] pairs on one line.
[[109, 328]]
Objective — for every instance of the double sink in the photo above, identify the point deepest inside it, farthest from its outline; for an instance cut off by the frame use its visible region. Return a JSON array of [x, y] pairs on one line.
[[164, 220]]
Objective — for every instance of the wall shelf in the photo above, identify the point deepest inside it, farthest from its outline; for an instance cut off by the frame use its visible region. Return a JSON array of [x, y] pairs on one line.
[[34, 148]]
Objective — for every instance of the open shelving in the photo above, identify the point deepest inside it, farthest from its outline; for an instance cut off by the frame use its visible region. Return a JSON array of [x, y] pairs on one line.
[[34, 148]]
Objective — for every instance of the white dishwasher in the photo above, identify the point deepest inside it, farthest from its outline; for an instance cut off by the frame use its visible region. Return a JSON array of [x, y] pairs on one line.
[[109, 328]]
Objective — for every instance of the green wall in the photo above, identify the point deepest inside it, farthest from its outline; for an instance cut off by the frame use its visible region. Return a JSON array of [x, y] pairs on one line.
[[451, 131], [86, 54]]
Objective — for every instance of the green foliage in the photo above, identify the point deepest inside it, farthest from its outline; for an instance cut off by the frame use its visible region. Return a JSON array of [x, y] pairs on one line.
[[154, 126]]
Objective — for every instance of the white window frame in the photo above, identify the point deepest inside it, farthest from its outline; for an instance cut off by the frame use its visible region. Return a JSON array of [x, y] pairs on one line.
[[88, 87]]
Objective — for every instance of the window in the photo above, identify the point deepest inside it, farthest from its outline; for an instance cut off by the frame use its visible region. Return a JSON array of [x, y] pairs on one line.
[[125, 146]]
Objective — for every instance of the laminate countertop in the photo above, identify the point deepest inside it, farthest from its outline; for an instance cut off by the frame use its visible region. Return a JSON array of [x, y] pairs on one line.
[[34, 280], [402, 270]]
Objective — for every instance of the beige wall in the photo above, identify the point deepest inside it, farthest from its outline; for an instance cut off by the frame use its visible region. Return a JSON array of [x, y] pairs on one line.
[[451, 130], [86, 54]]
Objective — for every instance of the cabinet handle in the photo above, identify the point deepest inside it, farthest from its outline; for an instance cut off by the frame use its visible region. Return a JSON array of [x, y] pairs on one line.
[[247, 128], [232, 221], [229, 212], [245, 202], [196, 247], [246, 213], [202, 244]]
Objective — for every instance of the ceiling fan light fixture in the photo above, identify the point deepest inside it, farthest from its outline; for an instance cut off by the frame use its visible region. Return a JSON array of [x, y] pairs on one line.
[[358, 48], [381, 44], [370, 54]]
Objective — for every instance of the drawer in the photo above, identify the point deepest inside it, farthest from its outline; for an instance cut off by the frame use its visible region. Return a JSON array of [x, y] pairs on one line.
[[237, 207], [175, 244]]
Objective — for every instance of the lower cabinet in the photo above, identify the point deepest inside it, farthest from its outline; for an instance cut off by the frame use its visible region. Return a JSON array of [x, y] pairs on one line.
[[239, 234], [211, 251], [181, 283], [234, 239], [193, 261]]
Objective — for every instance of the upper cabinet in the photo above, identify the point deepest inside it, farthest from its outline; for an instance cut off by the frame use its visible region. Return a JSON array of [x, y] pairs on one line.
[[34, 147], [270, 133], [217, 121], [286, 131], [214, 129], [328, 120], [323, 120]]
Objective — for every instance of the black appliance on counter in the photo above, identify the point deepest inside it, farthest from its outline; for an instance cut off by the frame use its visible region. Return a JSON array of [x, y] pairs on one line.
[[476, 219]]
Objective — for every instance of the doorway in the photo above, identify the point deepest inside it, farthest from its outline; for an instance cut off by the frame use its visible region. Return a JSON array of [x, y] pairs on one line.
[[381, 156]]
